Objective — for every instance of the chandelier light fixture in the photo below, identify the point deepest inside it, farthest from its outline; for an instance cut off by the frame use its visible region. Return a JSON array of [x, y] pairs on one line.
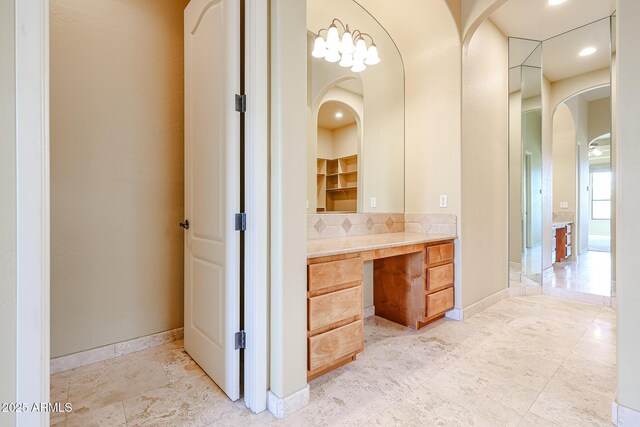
[[349, 50]]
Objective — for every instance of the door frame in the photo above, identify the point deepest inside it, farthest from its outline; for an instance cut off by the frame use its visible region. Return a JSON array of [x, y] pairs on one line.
[[33, 206]]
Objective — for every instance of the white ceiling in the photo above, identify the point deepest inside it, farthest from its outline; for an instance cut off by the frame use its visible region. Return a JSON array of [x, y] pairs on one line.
[[327, 115], [564, 30], [537, 20], [560, 54]]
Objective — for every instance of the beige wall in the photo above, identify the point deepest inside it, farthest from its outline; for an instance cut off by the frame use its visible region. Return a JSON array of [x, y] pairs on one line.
[[564, 159], [345, 141], [599, 118], [515, 178], [628, 203], [288, 220], [484, 164], [430, 51], [8, 210], [116, 171]]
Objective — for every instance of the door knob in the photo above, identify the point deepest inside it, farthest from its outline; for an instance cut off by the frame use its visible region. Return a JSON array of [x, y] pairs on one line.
[[185, 224]]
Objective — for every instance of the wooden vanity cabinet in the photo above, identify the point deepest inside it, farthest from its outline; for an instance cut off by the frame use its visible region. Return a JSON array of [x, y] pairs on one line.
[[413, 285], [563, 247], [416, 288], [335, 332]]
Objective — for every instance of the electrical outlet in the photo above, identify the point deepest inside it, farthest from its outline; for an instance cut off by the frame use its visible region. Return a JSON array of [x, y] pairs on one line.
[[373, 202], [444, 201]]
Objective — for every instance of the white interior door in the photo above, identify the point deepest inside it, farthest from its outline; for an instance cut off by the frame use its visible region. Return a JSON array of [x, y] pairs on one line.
[[212, 189]]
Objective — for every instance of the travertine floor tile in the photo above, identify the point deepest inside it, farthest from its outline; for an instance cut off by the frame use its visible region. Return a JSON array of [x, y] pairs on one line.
[[95, 386], [194, 401], [569, 405], [425, 408], [526, 361], [108, 416]]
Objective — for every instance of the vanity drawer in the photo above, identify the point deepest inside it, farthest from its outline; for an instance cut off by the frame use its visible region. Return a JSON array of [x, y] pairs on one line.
[[331, 346], [327, 309], [334, 273], [439, 302], [438, 277], [439, 253]]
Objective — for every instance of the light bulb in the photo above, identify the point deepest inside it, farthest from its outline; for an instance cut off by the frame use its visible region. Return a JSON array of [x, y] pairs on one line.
[[347, 45], [333, 38], [556, 2], [596, 152], [339, 115], [319, 48], [358, 66], [588, 51], [361, 49], [332, 55], [372, 56], [347, 60]]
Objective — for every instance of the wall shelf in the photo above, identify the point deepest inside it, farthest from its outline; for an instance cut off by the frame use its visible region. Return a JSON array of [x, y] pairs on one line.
[[338, 184]]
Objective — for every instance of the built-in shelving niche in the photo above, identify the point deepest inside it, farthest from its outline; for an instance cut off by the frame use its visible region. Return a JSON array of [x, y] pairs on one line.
[[338, 184]]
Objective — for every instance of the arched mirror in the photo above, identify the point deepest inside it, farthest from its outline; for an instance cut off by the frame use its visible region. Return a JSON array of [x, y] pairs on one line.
[[358, 111]]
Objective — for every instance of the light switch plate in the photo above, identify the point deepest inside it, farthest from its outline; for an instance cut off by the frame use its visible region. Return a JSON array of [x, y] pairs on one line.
[[444, 201], [373, 202], [564, 205]]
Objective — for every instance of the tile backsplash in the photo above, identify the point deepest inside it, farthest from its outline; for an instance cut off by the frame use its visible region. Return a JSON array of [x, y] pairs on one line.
[[323, 226]]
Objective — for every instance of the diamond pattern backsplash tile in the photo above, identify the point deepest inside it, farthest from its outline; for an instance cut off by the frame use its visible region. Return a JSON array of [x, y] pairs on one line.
[[389, 223], [323, 226], [320, 226], [370, 223]]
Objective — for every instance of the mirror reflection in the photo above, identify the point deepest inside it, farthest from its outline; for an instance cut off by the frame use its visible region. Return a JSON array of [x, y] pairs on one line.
[[525, 185], [355, 116], [561, 178]]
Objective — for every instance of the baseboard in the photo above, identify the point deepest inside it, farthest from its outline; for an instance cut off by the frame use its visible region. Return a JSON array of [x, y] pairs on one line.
[[282, 407], [624, 417], [578, 296], [473, 309], [369, 311], [64, 363]]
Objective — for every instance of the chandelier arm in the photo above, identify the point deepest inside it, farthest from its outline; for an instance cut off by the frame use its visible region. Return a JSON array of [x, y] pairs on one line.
[[344, 27], [361, 34]]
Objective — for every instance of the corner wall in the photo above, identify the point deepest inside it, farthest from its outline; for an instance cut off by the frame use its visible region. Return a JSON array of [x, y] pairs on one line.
[[485, 121], [628, 204], [8, 211], [116, 171], [288, 194]]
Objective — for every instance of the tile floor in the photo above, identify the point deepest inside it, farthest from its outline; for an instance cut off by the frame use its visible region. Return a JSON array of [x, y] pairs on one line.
[[528, 361], [591, 274]]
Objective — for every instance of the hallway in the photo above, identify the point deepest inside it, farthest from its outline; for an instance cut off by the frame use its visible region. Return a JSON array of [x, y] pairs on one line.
[[525, 361]]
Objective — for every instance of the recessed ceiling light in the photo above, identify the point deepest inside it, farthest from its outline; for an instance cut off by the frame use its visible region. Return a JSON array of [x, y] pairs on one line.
[[588, 51], [556, 2], [338, 115]]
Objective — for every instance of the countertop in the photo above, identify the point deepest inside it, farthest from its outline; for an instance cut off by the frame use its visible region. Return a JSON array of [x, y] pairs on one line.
[[561, 224], [344, 245]]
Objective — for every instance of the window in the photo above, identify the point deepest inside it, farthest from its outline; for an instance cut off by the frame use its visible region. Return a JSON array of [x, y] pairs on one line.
[[601, 195]]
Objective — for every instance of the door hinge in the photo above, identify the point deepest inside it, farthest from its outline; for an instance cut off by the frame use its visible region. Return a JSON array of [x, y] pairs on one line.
[[241, 103], [241, 340], [241, 221]]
